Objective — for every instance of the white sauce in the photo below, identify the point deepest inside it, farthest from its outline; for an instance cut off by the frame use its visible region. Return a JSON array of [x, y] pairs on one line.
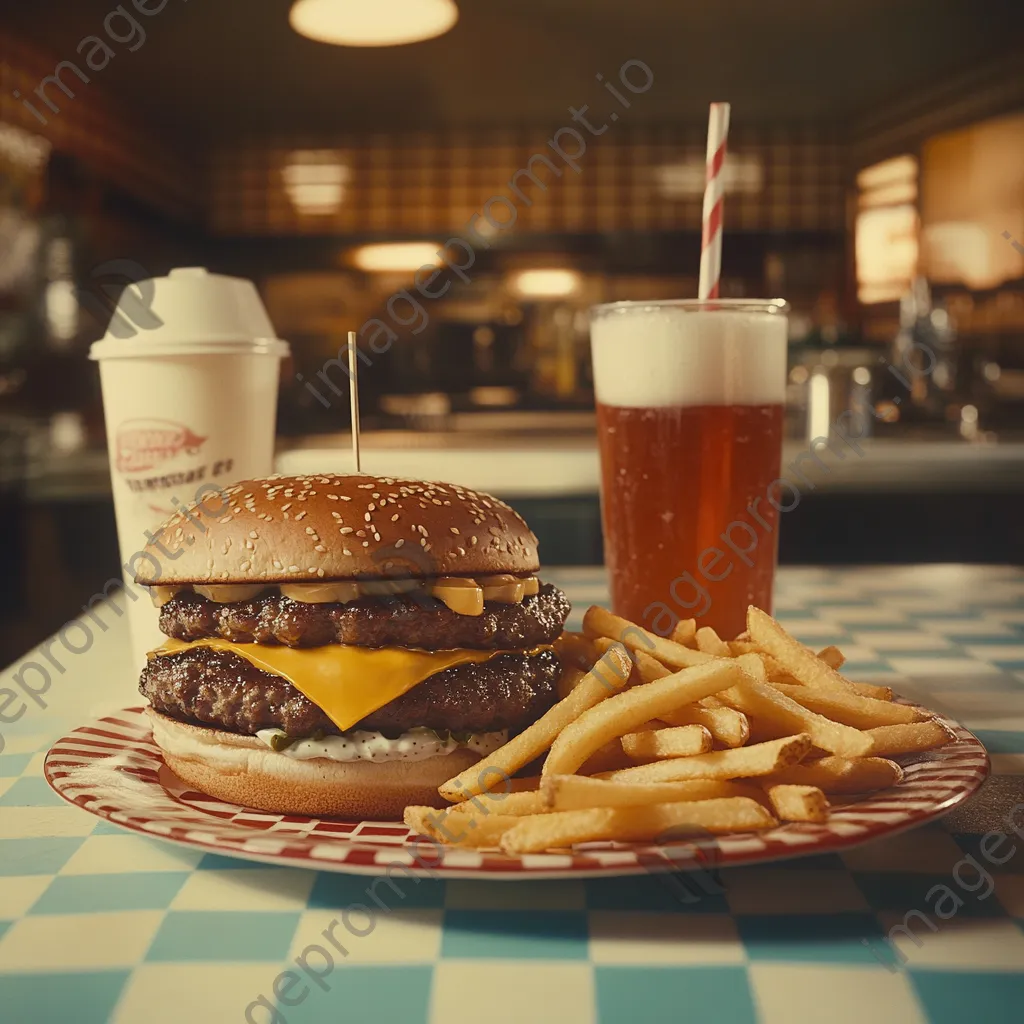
[[362, 745]]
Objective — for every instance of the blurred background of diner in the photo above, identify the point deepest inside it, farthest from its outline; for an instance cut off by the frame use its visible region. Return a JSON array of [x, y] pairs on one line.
[[875, 180]]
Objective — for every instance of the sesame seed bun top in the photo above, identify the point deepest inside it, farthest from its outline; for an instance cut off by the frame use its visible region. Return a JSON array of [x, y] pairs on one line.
[[302, 529]]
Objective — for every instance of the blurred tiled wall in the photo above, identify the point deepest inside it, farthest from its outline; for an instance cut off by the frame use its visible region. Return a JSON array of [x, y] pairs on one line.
[[633, 180], [93, 129]]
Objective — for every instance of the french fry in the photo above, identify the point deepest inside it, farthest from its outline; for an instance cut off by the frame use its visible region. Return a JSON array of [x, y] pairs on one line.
[[727, 726], [649, 668], [609, 758], [763, 701], [498, 802], [871, 690], [418, 818], [603, 644], [776, 671], [459, 829], [778, 674], [665, 701], [798, 803], [675, 741], [560, 829], [711, 643], [572, 793], [833, 657], [800, 662], [609, 675], [600, 622], [839, 774], [908, 739], [626, 711], [738, 647], [850, 708], [576, 649], [772, 667], [754, 667], [742, 762], [570, 678], [684, 632]]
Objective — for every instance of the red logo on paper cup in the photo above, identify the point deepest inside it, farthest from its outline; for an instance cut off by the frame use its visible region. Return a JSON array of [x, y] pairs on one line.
[[145, 444]]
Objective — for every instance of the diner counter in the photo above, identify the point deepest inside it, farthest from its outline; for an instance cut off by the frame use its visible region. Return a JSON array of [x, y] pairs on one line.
[[570, 466], [566, 464], [98, 924]]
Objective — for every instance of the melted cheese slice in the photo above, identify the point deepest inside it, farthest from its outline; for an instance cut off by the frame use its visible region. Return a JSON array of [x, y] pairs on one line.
[[347, 683]]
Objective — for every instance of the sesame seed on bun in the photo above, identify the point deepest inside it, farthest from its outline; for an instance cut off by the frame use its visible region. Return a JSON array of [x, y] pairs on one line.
[[303, 529]]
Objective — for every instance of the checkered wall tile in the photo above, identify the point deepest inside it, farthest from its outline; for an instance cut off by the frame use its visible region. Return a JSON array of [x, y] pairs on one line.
[[437, 183]]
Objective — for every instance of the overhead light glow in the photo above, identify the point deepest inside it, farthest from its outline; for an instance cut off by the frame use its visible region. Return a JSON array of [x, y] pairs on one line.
[[885, 243], [396, 256], [897, 170], [969, 422], [315, 180], [962, 252], [888, 195], [372, 22], [546, 284], [23, 149], [818, 406]]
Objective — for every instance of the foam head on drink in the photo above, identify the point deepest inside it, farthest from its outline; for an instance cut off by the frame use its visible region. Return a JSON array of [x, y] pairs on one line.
[[690, 415]]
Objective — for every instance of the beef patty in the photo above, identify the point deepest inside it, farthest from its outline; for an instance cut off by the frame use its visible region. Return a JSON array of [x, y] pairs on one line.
[[223, 690], [403, 621]]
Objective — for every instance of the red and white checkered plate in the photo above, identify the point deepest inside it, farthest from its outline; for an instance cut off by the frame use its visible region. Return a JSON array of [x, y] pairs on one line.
[[113, 769]]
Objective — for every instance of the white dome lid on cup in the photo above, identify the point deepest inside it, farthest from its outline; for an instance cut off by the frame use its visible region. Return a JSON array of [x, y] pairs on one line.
[[189, 312]]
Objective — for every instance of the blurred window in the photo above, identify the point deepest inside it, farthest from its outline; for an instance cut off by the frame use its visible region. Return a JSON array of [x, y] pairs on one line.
[[972, 204], [886, 239]]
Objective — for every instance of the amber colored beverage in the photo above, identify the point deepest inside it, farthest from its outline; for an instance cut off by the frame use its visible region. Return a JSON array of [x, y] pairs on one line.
[[690, 418], [674, 479]]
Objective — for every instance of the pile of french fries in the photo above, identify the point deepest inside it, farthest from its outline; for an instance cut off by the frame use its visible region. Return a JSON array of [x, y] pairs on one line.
[[654, 736]]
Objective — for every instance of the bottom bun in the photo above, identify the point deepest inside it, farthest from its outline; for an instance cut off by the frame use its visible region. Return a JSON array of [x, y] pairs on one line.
[[244, 770]]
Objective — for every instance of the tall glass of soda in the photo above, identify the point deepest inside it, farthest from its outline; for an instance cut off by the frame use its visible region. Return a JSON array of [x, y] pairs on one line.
[[690, 401]]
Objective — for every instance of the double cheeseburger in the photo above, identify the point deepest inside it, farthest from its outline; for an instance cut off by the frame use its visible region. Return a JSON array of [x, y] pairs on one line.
[[342, 645]]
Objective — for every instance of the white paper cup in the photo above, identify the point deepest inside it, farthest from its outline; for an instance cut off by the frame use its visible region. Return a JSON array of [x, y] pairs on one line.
[[190, 404]]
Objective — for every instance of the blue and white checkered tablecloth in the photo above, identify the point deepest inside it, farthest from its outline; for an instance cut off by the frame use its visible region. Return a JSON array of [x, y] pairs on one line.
[[97, 924]]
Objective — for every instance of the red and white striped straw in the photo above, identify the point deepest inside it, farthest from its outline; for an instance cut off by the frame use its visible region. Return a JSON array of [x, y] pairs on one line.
[[711, 239]]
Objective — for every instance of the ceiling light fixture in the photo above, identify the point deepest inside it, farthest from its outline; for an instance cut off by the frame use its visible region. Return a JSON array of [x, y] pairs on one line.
[[547, 283], [373, 23], [395, 257]]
